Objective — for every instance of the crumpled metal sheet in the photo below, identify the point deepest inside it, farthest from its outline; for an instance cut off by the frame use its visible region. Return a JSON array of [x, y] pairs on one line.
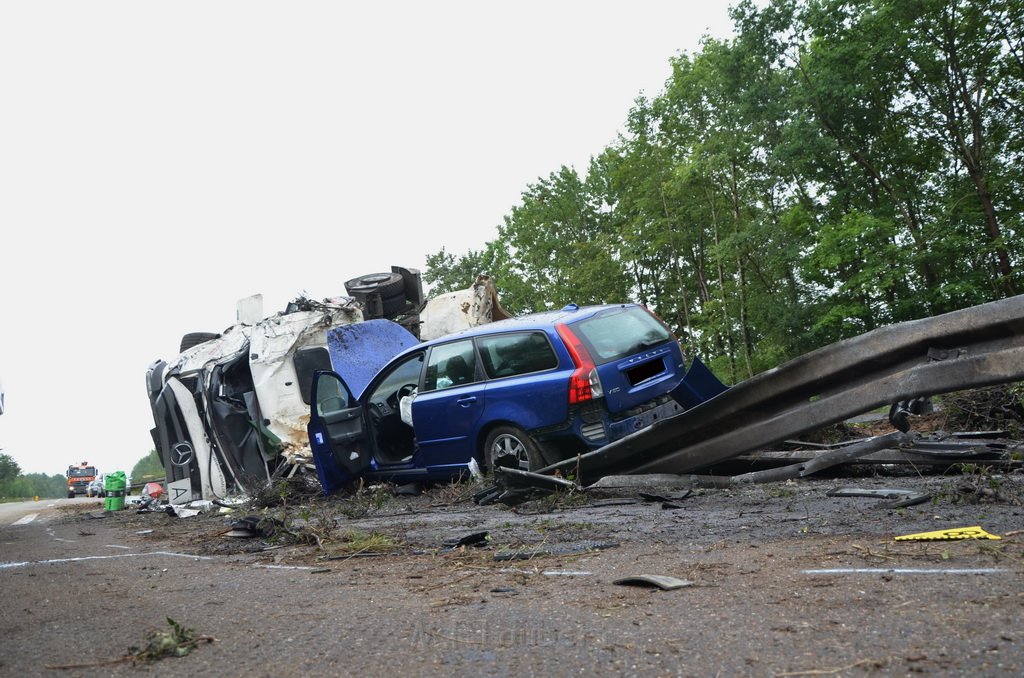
[[460, 310]]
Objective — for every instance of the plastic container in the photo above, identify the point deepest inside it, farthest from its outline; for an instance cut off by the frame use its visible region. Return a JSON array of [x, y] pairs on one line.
[[115, 481], [114, 500], [113, 487]]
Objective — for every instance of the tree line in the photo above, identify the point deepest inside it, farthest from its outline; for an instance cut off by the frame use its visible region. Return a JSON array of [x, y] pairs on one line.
[[15, 485], [835, 166]]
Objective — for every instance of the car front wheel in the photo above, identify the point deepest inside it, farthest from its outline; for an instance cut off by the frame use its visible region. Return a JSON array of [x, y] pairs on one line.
[[511, 440]]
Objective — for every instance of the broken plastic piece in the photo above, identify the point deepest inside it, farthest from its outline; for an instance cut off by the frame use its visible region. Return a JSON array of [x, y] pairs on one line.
[[474, 539], [255, 526], [956, 533], [474, 470], [661, 581]]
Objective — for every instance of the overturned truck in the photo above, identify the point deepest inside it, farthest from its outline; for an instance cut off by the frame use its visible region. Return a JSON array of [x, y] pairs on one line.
[[230, 410]]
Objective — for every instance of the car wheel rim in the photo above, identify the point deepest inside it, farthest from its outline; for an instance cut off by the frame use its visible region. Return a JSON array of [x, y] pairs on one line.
[[506, 444]]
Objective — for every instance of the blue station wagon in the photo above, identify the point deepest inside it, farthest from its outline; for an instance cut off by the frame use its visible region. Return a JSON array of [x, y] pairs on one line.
[[542, 387]]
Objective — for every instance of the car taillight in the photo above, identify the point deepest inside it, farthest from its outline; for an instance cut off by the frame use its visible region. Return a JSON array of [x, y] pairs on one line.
[[584, 383]]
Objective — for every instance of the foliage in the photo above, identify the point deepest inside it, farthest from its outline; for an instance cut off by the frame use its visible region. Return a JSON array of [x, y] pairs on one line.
[[147, 469], [354, 543], [991, 408], [16, 486], [33, 485], [447, 272], [8, 467], [836, 166], [177, 642]]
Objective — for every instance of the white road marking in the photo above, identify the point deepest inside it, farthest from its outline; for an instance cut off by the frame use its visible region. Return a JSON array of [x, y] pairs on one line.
[[907, 570], [25, 520], [5, 566]]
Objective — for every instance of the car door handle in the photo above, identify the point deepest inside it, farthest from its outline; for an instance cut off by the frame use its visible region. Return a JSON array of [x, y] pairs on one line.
[[467, 401]]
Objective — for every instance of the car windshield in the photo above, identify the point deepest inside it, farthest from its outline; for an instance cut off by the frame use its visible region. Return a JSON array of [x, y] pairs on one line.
[[620, 332]]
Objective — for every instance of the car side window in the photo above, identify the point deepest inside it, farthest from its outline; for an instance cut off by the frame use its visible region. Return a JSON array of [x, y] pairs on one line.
[[506, 355], [331, 395], [450, 365]]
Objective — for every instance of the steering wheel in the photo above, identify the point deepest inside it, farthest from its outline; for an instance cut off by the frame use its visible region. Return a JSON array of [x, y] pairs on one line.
[[395, 397]]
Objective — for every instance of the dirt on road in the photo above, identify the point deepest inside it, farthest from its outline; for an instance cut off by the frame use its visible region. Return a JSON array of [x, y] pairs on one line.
[[780, 579]]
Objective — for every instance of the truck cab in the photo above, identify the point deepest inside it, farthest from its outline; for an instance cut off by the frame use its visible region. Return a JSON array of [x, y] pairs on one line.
[[79, 476]]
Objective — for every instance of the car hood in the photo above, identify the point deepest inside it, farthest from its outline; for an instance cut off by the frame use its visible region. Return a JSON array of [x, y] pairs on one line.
[[359, 351]]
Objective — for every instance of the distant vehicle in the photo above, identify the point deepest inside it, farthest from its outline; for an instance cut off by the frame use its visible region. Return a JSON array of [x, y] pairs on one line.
[[541, 387], [79, 476], [95, 489]]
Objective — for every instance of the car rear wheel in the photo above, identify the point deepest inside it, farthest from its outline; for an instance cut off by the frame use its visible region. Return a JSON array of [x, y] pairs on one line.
[[512, 440]]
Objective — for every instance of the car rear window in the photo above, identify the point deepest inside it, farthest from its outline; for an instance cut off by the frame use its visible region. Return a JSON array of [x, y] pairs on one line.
[[619, 332], [507, 355]]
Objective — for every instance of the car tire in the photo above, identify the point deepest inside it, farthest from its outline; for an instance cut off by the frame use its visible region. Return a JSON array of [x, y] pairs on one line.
[[194, 339], [513, 440], [385, 284]]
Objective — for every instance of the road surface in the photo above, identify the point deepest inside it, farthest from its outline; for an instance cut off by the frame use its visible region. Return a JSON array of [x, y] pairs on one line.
[[784, 582]]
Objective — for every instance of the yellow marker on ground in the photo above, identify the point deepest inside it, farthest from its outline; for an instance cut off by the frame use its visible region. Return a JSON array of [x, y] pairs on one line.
[[944, 535]]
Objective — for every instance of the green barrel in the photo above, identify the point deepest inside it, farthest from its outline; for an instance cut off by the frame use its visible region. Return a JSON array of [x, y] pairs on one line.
[[114, 500], [113, 487]]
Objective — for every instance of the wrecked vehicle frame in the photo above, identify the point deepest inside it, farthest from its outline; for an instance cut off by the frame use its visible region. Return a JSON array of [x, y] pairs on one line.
[[230, 410]]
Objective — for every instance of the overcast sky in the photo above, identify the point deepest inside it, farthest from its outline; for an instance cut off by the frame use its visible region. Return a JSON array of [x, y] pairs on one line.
[[160, 161]]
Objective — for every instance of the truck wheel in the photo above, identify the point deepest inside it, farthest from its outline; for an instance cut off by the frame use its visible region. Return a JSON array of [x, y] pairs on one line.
[[71, 494], [386, 284], [512, 440]]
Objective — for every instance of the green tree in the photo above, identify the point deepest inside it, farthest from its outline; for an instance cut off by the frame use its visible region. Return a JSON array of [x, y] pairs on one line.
[[447, 272], [556, 248], [966, 80], [8, 467], [148, 468], [836, 166]]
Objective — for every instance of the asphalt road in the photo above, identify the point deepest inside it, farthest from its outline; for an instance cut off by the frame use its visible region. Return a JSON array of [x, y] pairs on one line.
[[785, 581]]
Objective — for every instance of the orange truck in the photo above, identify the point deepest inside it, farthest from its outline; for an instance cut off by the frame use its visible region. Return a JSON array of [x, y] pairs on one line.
[[79, 477]]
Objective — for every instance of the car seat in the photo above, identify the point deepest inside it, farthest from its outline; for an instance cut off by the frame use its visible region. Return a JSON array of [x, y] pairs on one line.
[[457, 370]]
